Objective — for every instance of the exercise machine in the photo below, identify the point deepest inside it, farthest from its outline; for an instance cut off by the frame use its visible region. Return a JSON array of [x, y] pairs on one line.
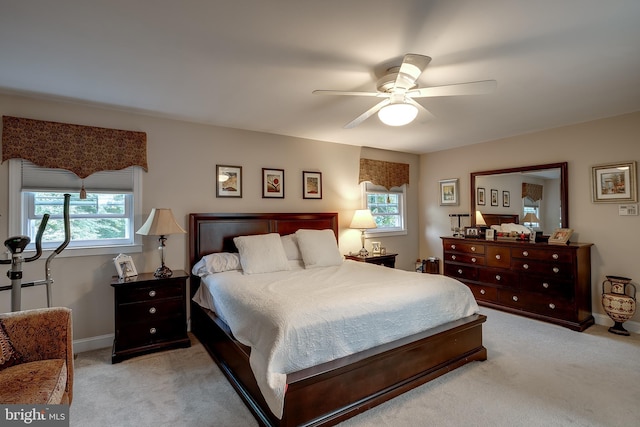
[[16, 246]]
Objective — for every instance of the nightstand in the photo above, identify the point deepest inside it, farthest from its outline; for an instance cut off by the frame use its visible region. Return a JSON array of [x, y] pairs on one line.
[[150, 314], [388, 260]]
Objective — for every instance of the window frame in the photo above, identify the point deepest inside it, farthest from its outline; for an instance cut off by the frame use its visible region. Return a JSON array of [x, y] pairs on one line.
[[402, 193], [18, 211]]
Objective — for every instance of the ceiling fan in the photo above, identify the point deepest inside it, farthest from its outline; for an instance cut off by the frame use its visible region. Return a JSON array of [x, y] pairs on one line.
[[398, 87]]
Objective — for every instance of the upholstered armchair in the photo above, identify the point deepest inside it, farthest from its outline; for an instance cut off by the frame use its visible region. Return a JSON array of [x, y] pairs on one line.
[[36, 363]]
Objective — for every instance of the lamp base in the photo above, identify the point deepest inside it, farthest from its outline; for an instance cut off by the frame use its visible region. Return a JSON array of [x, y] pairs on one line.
[[363, 252], [163, 272]]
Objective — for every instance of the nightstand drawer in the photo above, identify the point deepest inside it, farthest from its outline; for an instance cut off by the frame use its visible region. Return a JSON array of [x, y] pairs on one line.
[[150, 310], [140, 334], [144, 293]]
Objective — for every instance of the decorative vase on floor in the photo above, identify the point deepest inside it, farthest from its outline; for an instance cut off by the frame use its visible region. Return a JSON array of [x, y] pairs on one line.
[[618, 303]]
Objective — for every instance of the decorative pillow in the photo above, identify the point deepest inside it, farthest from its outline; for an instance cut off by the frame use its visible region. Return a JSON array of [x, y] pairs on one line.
[[319, 248], [262, 253], [216, 263], [9, 356], [290, 244]]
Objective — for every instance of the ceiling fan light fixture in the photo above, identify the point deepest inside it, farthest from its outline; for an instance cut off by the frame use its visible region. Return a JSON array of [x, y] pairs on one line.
[[397, 114]]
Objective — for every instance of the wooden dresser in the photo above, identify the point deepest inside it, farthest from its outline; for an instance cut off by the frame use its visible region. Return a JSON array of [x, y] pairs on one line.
[[538, 280]]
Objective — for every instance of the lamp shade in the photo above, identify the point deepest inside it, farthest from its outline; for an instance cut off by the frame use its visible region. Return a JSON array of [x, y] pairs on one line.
[[530, 218], [161, 222], [480, 219], [397, 114], [362, 219]]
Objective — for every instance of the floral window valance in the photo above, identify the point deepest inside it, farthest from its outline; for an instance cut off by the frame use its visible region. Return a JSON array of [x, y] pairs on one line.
[[82, 150], [532, 191], [387, 174]]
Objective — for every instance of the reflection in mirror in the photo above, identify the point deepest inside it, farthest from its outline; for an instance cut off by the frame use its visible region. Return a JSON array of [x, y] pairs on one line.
[[540, 190]]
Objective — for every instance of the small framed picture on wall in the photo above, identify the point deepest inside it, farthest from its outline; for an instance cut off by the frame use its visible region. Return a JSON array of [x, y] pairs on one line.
[[272, 183], [494, 197], [506, 199], [311, 185]]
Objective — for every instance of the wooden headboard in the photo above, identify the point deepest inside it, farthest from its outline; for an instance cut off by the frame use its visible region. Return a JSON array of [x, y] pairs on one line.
[[497, 219], [214, 232]]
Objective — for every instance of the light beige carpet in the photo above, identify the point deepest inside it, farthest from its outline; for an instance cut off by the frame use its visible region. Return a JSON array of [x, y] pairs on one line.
[[536, 374]]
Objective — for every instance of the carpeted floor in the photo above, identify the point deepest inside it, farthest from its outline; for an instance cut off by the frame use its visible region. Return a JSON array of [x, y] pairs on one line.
[[536, 375]]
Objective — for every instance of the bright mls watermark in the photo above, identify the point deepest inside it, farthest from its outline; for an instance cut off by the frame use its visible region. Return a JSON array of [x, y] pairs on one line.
[[34, 415]]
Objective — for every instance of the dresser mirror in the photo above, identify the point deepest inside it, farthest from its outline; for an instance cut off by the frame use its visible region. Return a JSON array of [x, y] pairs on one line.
[[500, 193]]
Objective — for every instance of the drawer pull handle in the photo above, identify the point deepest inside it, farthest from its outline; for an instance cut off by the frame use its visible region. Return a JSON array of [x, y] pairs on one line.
[[525, 266], [453, 257], [515, 298], [459, 271], [498, 277], [453, 247], [152, 310], [525, 253], [473, 259], [552, 306], [545, 285], [556, 269], [482, 291], [152, 331], [152, 294], [555, 256], [498, 256], [473, 248]]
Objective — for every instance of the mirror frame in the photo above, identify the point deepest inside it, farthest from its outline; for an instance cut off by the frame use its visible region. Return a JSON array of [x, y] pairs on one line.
[[564, 186]]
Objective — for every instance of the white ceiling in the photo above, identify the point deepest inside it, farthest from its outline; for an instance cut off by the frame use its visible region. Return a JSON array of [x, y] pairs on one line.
[[253, 64]]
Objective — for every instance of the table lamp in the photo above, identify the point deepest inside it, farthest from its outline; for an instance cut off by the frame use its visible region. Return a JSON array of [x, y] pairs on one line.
[[531, 218], [161, 223], [363, 220]]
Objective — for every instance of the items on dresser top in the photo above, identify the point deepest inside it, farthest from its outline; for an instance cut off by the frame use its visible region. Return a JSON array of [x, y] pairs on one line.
[[546, 282], [150, 314]]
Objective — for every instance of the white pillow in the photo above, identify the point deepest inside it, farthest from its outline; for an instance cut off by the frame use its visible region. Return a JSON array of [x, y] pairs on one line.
[[262, 253], [290, 244], [319, 248], [216, 263]]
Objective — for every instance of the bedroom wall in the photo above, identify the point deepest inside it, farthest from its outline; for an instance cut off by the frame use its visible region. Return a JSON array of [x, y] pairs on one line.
[[582, 145], [182, 158]]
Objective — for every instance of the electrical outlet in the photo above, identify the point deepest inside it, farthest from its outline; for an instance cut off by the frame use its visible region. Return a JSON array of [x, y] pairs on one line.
[[625, 210]]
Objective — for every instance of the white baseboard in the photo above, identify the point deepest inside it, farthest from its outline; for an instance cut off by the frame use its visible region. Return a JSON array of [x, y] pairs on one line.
[[604, 320], [93, 343]]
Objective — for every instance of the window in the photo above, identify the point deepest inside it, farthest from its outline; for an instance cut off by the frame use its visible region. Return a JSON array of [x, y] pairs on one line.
[[387, 208], [102, 223]]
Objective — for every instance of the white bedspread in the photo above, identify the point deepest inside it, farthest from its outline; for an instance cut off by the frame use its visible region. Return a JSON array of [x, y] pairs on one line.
[[300, 318]]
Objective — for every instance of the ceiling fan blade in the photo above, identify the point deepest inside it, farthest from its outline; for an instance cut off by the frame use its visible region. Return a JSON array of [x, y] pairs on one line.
[[339, 92], [412, 66], [471, 88], [364, 116], [426, 114]]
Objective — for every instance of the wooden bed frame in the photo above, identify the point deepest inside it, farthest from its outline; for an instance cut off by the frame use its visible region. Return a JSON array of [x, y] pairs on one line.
[[498, 219], [329, 393]]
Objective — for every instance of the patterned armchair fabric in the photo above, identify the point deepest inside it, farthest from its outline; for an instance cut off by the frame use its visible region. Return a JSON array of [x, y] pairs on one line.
[[36, 357]]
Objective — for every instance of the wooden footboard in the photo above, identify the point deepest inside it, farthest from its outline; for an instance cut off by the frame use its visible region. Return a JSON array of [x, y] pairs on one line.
[[327, 394]]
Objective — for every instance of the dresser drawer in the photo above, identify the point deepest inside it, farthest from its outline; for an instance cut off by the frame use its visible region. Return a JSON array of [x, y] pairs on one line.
[[483, 293], [460, 271], [498, 256], [462, 246], [148, 311], [498, 277], [148, 293], [542, 254], [548, 306], [553, 270], [549, 286], [465, 258]]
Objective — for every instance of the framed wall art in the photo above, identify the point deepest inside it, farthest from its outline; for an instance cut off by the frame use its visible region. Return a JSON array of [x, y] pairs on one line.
[[272, 183], [449, 192], [614, 183], [506, 199], [125, 267], [494, 197], [480, 197], [311, 185], [229, 181]]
